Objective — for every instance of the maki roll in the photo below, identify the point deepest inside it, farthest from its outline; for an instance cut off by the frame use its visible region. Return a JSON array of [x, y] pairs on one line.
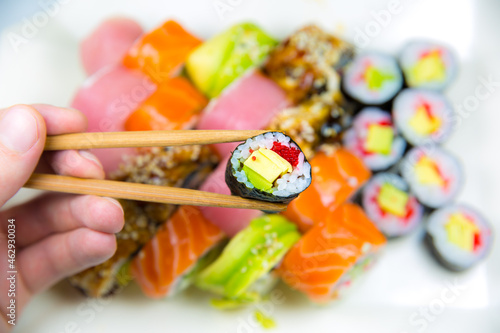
[[268, 167], [434, 175], [240, 274], [332, 255], [372, 79], [428, 65], [422, 116], [374, 139], [458, 236], [388, 203]]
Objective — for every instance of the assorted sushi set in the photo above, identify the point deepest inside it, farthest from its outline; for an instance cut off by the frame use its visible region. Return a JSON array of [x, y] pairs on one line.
[[352, 147]]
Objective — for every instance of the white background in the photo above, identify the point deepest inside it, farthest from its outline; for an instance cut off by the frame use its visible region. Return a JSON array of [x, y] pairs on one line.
[[406, 280]]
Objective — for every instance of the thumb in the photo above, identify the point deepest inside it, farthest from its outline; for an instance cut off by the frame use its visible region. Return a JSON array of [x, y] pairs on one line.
[[22, 138]]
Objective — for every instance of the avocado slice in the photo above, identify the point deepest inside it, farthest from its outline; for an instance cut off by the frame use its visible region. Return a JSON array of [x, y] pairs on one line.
[[217, 62], [423, 123], [203, 63], [375, 78], [427, 172], [461, 231], [429, 68], [392, 200], [251, 254], [264, 166], [379, 139], [257, 180]]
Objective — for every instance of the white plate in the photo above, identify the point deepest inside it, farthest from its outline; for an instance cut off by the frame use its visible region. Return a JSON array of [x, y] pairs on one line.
[[404, 292]]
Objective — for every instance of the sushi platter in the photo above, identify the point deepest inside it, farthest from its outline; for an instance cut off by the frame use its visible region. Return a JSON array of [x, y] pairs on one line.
[[357, 145]]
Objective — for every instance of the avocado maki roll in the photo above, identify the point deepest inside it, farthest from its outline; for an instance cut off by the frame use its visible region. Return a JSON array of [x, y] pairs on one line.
[[374, 139], [241, 274], [268, 167], [428, 65], [389, 204], [423, 116], [435, 176], [458, 236], [373, 79]]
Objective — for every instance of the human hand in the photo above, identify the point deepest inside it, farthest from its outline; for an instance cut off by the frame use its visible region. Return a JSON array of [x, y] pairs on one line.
[[56, 235]]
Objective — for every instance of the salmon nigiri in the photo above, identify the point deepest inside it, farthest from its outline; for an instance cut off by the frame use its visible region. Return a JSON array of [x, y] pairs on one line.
[[330, 256], [176, 104], [163, 264], [336, 177], [161, 53]]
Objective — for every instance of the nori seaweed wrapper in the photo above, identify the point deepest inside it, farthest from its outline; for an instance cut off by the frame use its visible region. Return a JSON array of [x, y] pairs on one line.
[[429, 242], [243, 191]]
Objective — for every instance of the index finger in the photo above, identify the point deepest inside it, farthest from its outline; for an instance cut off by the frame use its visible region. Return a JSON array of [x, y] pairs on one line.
[[60, 120]]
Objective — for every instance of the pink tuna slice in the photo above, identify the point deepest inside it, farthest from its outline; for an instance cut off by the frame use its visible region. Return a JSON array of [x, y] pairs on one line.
[[107, 98], [108, 43], [249, 103], [230, 220]]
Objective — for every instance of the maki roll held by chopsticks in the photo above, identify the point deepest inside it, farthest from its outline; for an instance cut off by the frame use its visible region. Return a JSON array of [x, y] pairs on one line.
[[269, 167]]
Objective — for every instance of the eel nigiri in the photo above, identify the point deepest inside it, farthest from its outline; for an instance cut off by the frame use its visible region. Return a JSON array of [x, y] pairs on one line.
[[164, 265], [336, 176], [308, 63], [330, 256]]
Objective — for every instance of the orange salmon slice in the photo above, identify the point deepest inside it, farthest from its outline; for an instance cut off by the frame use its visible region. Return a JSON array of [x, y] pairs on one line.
[[176, 104], [160, 53], [327, 251], [335, 178], [173, 251]]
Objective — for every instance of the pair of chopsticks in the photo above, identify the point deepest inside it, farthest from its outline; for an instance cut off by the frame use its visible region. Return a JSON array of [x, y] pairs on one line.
[[143, 192]]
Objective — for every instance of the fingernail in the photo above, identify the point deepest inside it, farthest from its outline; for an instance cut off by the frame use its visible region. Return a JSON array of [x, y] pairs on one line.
[[114, 202], [18, 130], [89, 156]]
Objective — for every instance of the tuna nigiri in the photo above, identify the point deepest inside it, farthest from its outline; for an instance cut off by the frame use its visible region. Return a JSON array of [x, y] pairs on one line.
[[163, 265], [249, 103], [336, 176], [329, 256]]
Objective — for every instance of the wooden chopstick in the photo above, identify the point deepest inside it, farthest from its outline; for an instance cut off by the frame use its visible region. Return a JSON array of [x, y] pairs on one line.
[[146, 139], [143, 192]]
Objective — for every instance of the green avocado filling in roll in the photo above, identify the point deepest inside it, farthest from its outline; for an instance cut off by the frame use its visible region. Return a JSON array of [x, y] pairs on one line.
[[248, 257], [225, 57]]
